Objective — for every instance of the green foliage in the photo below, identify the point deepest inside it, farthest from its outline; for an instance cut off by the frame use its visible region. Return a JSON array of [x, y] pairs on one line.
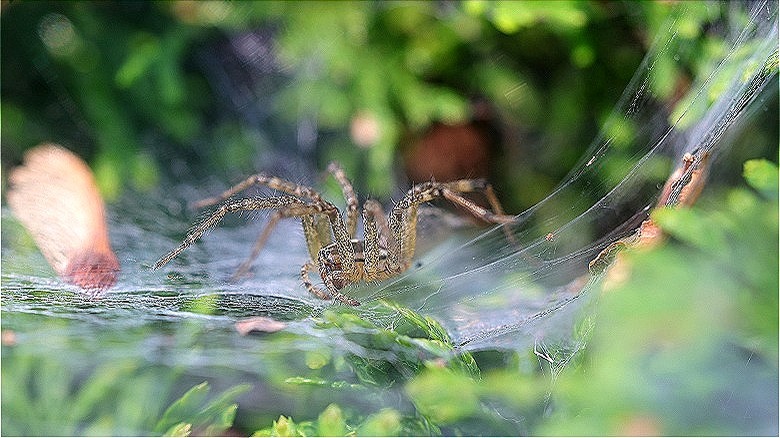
[[682, 345], [413, 340], [283, 427], [117, 399], [404, 66], [386, 422], [691, 337], [332, 422], [761, 174], [473, 405], [44, 396], [190, 413], [65, 394]]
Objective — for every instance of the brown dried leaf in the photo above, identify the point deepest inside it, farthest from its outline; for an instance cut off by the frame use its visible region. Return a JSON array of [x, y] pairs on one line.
[[55, 197]]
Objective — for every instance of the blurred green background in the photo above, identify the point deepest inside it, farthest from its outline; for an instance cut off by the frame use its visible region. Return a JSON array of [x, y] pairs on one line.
[[170, 91], [187, 90], [157, 93]]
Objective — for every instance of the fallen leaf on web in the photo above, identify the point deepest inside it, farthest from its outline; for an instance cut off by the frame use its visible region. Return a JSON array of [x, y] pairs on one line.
[[53, 194], [259, 324]]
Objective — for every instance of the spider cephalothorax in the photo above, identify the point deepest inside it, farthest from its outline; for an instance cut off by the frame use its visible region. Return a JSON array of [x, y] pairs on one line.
[[388, 242]]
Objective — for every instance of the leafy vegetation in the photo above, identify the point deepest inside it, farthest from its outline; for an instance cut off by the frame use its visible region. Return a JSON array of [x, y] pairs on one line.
[[697, 354], [153, 91], [683, 341], [41, 397]]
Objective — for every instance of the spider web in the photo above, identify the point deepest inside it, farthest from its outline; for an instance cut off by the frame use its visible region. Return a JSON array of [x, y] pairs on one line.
[[486, 291], [489, 292]]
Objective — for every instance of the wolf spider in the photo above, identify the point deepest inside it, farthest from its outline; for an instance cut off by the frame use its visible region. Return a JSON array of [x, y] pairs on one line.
[[388, 244]]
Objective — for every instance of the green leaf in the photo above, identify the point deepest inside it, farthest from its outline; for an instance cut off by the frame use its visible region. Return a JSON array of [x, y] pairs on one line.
[[215, 412], [761, 174], [299, 380], [331, 422], [443, 395], [139, 61], [428, 325], [386, 422], [692, 227], [179, 429], [222, 422], [100, 383], [283, 427], [204, 304], [211, 419], [186, 406]]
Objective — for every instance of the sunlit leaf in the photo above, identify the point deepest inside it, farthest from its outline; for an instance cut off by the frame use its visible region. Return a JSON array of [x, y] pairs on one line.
[[443, 395], [331, 422], [386, 422], [762, 175], [184, 407]]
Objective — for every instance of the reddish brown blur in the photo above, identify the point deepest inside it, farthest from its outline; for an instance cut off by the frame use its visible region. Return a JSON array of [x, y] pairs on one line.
[[447, 152], [55, 197]]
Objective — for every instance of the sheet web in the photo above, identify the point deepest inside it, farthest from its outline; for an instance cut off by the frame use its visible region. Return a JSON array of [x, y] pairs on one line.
[[488, 292]]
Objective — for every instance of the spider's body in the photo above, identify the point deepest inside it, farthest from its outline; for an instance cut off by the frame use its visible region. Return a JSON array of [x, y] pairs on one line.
[[332, 269], [388, 244]]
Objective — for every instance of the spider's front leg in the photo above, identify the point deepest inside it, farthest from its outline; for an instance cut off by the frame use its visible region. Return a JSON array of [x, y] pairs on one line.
[[336, 262], [377, 243], [403, 219], [367, 257], [349, 196], [261, 179], [292, 207]]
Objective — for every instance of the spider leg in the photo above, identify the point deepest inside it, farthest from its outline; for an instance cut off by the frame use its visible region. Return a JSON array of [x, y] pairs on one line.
[[495, 205], [308, 266], [349, 196], [316, 229], [318, 205], [261, 179], [370, 240], [451, 191], [294, 206], [376, 212], [479, 212], [328, 277], [403, 219], [243, 268]]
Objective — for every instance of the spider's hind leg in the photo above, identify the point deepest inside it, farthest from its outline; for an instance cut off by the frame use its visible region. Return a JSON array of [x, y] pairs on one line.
[[452, 191], [495, 216], [244, 267], [403, 219]]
